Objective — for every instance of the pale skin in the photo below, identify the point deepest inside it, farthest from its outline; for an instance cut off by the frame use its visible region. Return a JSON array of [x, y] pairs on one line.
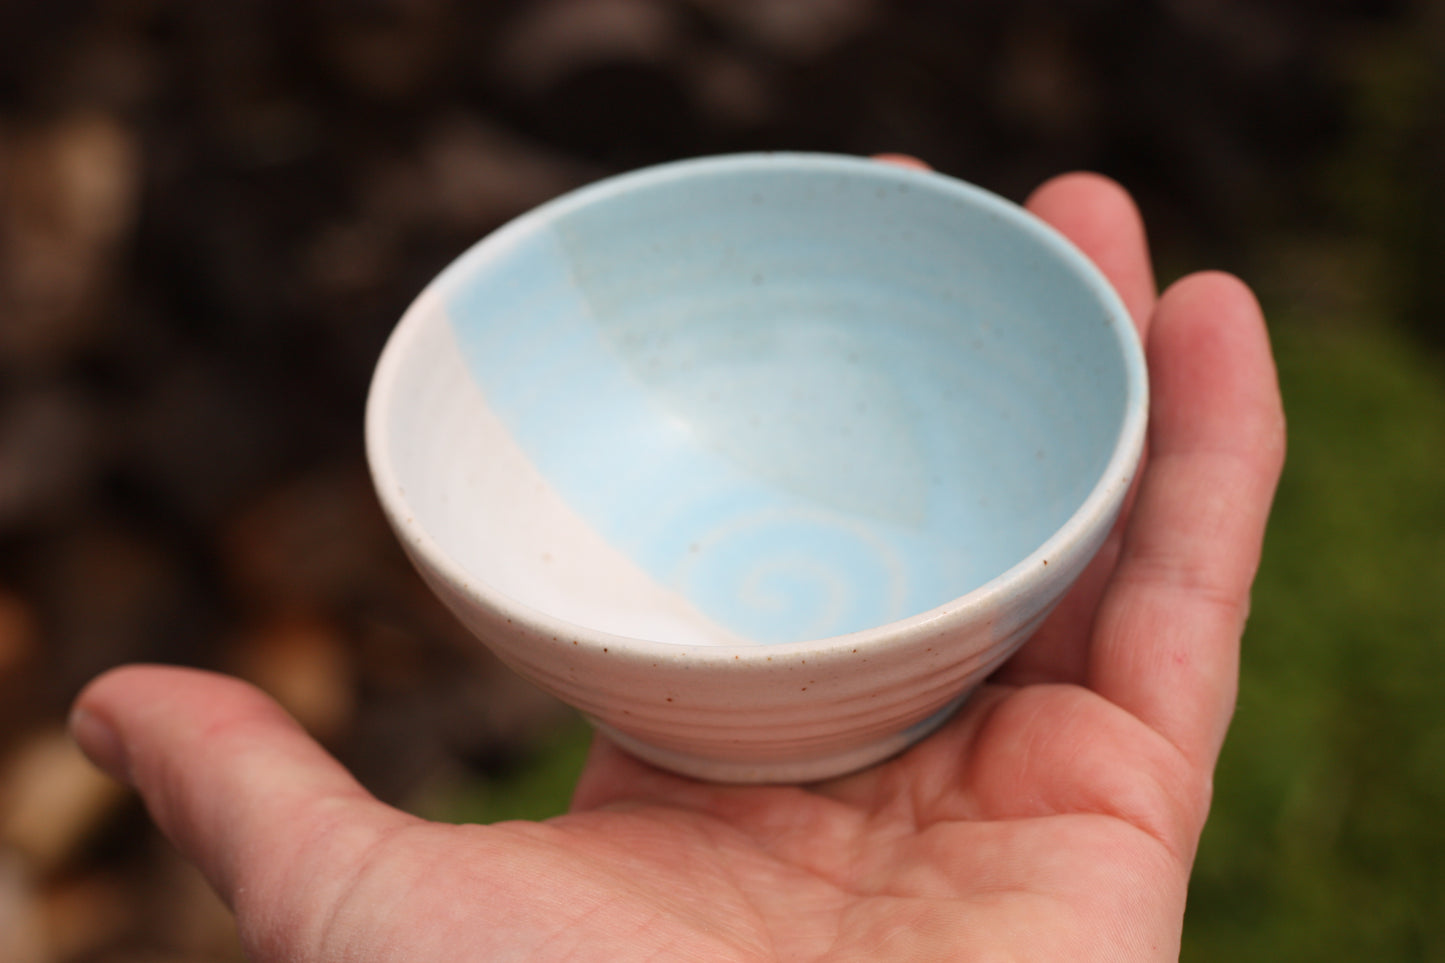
[[1055, 817]]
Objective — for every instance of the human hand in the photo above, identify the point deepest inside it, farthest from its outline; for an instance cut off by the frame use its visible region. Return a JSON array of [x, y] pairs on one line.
[[1054, 818]]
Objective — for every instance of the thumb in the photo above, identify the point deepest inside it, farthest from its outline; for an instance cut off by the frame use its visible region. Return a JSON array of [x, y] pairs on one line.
[[270, 818]]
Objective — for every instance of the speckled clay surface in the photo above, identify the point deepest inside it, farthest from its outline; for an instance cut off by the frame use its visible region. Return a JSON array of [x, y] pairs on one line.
[[764, 461]]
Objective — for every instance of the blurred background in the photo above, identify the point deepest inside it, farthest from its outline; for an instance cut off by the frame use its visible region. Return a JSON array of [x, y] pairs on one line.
[[211, 214]]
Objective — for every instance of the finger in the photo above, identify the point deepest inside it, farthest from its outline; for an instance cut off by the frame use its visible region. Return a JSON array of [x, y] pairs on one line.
[[1100, 217], [231, 779], [1102, 220], [1166, 642], [903, 160]]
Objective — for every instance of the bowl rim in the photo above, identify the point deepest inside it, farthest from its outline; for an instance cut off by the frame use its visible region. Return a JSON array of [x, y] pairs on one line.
[[1101, 503]]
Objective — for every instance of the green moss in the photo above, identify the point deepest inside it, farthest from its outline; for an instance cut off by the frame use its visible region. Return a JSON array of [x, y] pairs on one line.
[[539, 787], [1326, 840]]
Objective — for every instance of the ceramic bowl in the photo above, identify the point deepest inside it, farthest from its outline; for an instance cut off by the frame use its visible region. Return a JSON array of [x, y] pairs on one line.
[[763, 462]]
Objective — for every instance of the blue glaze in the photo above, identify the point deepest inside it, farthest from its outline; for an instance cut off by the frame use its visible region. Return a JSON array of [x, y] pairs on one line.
[[811, 394]]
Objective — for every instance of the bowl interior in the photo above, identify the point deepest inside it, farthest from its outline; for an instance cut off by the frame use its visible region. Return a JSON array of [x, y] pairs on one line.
[[757, 400]]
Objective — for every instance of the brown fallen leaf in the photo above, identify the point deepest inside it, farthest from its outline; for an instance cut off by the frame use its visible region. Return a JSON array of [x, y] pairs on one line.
[[51, 799], [304, 662]]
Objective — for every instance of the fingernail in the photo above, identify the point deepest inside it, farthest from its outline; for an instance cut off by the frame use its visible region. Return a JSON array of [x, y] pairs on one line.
[[100, 743]]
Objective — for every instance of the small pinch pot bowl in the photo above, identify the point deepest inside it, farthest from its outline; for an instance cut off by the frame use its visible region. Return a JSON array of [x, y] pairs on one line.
[[762, 462]]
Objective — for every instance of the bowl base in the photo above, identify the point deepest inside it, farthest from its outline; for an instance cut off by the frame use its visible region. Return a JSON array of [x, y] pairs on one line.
[[811, 769]]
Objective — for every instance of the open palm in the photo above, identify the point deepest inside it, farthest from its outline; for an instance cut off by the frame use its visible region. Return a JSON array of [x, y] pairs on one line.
[[1054, 818]]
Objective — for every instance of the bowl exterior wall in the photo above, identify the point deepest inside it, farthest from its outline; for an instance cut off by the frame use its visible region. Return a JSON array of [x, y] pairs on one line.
[[720, 708], [768, 713]]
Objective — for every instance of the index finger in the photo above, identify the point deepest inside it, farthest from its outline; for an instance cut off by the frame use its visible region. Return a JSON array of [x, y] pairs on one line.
[[1101, 219]]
